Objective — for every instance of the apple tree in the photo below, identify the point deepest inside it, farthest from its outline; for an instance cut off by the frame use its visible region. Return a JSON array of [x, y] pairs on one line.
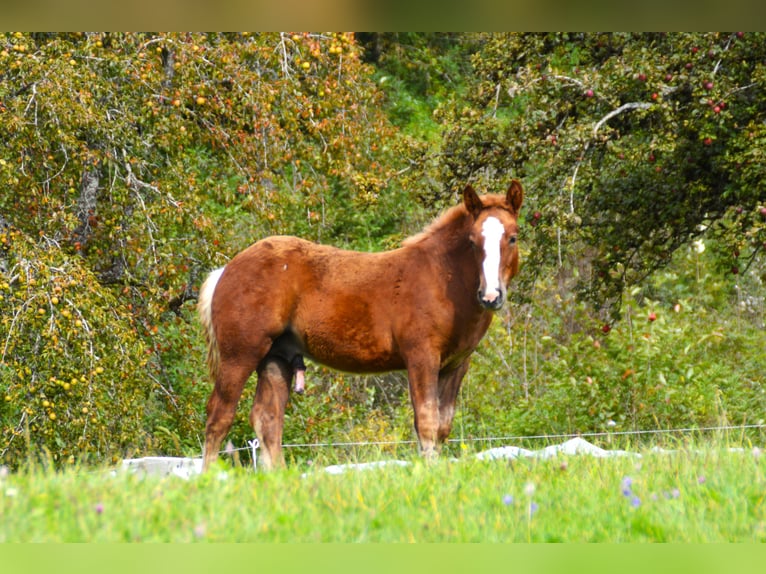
[[630, 146]]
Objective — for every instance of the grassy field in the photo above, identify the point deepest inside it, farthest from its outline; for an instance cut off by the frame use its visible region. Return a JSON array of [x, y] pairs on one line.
[[697, 494]]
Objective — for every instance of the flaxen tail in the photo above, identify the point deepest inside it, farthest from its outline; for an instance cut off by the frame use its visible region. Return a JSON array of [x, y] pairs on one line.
[[205, 310]]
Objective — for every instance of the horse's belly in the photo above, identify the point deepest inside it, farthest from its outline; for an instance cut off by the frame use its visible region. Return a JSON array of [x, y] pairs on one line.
[[354, 364], [350, 337], [354, 351]]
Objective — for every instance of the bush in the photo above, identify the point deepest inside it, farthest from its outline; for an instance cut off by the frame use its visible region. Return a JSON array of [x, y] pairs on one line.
[[689, 358]]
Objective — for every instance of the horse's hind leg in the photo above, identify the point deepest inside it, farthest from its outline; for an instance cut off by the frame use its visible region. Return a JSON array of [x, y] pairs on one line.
[[222, 405], [268, 413]]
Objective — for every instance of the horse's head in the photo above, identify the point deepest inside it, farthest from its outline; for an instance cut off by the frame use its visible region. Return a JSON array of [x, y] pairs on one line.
[[493, 237]]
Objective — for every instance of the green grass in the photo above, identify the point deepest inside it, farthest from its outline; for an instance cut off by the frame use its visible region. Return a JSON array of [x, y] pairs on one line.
[[694, 495]]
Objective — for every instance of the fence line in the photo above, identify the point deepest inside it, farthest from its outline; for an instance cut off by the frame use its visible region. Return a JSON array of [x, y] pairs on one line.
[[517, 437]]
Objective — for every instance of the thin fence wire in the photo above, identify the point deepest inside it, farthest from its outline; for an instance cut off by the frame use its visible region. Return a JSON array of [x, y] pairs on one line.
[[518, 437]]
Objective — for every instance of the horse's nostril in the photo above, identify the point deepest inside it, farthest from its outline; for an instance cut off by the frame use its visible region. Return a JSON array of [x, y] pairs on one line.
[[492, 302], [491, 297]]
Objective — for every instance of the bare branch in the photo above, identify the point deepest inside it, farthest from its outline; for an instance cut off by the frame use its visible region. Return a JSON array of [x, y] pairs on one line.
[[136, 184], [618, 111], [596, 127], [285, 64], [568, 79]]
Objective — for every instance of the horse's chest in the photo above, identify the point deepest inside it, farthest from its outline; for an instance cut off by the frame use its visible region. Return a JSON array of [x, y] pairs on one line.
[[464, 341]]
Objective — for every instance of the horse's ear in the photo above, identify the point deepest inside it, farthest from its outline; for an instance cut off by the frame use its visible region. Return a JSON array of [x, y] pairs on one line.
[[472, 200], [514, 197]]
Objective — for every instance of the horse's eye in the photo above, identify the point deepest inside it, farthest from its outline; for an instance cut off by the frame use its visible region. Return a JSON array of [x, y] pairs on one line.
[[512, 240]]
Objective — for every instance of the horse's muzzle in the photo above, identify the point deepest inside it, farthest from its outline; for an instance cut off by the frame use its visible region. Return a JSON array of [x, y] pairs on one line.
[[492, 304]]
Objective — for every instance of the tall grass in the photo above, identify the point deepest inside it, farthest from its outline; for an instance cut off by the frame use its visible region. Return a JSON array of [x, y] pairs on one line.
[[698, 494]]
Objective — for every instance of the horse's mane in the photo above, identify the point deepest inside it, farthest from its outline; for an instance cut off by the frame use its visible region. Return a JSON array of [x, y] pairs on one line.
[[446, 219], [450, 217]]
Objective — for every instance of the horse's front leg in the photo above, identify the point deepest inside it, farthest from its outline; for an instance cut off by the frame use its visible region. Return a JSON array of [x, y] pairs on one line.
[[423, 378], [449, 386]]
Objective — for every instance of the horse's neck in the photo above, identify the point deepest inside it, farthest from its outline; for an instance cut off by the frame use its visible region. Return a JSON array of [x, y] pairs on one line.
[[453, 253]]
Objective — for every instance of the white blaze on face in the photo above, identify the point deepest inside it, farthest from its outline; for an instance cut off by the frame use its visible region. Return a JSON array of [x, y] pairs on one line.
[[492, 231]]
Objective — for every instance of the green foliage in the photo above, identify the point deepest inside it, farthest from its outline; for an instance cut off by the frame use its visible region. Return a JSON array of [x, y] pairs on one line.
[[417, 70]]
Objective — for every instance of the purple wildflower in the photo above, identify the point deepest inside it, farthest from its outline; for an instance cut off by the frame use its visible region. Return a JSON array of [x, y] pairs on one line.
[[533, 506], [508, 499], [626, 486], [99, 508], [635, 502], [701, 480]]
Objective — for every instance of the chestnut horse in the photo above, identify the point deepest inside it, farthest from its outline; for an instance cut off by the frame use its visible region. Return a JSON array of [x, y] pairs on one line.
[[423, 307]]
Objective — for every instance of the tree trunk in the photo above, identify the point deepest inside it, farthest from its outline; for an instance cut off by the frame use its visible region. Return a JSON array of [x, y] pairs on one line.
[[5, 229], [86, 207], [168, 65]]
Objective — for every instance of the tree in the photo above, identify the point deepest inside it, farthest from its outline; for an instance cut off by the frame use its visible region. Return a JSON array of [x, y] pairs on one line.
[[630, 145]]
